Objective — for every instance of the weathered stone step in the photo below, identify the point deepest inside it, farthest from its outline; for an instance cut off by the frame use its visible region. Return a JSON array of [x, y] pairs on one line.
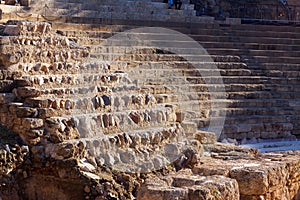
[[185, 48], [206, 41], [234, 104], [265, 28], [251, 111], [280, 66], [284, 87], [162, 70], [127, 99], [85, 16], [99, 124], [258, 103], [58, 81], [166, 57], [206, 28], [287, 95], [123, 7], [281, 73], [250, 52], [268, 59], [215, 29], [63, 68], [241, 127], [255, 119], [270, 42], [143, 150], [218, 95]]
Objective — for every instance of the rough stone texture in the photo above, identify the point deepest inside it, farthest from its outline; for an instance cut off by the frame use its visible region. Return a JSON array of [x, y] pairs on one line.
[[73, 112], [185, 185]]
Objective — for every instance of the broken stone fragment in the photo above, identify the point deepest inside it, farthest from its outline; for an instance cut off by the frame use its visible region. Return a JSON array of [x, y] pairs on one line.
[[150, 99], [11, 30], [105, 120], [22, 82], [189, 127], [26, 92], [205, 137], [98, 102], [138, 100], [52, 124], [136, 117], [32, 123], [9, 59], [25, 112], [68, 105]]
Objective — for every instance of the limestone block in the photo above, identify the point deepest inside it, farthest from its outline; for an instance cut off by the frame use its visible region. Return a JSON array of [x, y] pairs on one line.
[[180, 116], [26, 92], [63, 151], [98, 102], [162, 193], [189, 127], [126, 156], [23, 112], [32, 123], [254, 177], [205, 137], [136, 117], [11, 30], [9, 59], [22, 82]]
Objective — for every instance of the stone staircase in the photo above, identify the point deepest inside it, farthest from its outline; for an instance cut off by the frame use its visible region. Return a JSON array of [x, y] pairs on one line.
[[134, 98], [121, 10], [126, 93], [66, 99], [261, 94]]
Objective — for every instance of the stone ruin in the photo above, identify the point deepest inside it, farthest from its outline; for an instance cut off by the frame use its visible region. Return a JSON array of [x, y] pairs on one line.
[[87, 117]]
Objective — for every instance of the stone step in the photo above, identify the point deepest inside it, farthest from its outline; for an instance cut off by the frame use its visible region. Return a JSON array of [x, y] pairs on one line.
[[280, 66], [267, 59], [246, 29], [91, 125], [213, 79], [273, 146], [215, 34], [208, 42], [58, 81], [250, 111], [185, 47], [118, 11], [132, 14], [147, 57], [237, 104], [265, 28], [249, 53], [254, 119], [282, 88], [279, 103], [109, 6], [141, 150], [127, 99]]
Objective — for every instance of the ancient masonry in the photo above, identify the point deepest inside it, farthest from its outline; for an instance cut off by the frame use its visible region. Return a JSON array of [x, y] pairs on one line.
[[87, 115]]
